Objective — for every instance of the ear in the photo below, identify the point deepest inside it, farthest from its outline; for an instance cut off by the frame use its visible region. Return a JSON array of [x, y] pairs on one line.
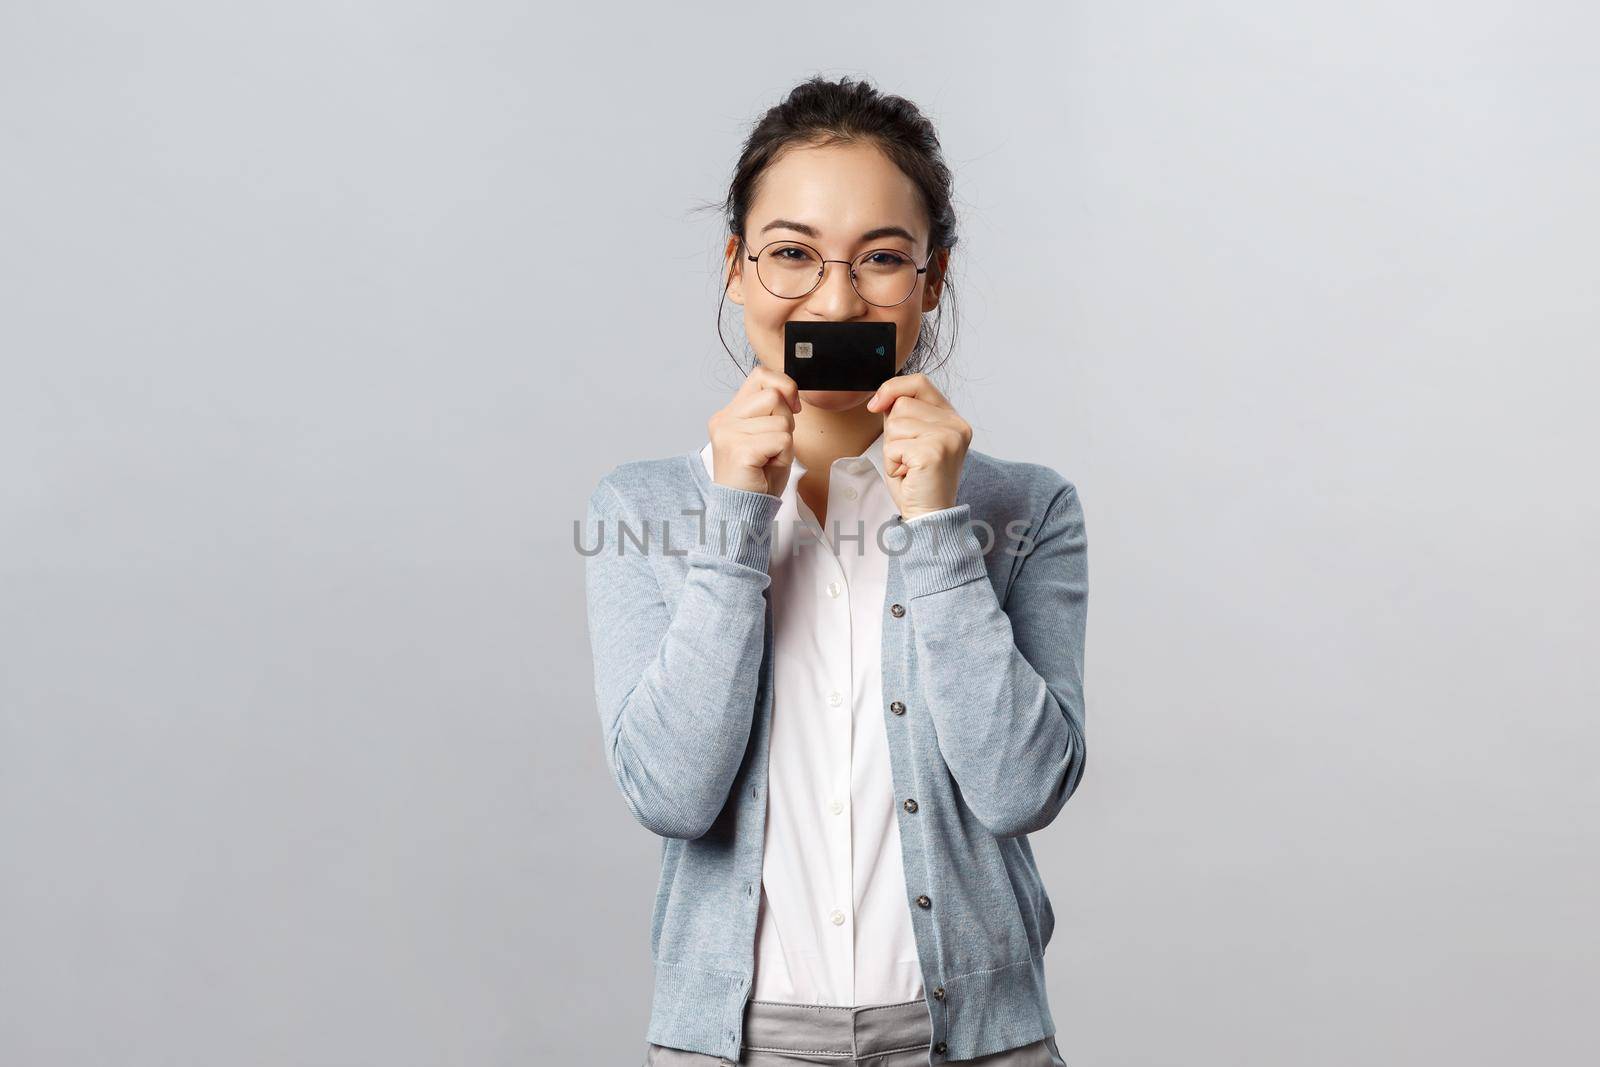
[[935, 287], [733, 270]]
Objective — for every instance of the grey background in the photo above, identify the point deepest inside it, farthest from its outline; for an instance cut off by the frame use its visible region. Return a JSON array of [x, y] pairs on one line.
[[314, 340]]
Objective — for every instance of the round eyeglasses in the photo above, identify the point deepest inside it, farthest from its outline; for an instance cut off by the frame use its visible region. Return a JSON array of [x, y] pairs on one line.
[[882, 277]]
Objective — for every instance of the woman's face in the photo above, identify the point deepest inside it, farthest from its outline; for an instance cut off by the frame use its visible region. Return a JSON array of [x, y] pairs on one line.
[[832, 199]]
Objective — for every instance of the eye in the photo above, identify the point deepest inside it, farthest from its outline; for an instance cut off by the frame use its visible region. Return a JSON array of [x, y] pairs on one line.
[[886, 259]]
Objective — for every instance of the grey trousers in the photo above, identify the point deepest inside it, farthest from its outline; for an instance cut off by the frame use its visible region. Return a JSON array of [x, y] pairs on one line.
[[884, 1035]]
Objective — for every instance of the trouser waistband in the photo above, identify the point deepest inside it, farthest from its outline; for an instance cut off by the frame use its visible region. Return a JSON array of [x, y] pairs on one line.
[[820, 1029]]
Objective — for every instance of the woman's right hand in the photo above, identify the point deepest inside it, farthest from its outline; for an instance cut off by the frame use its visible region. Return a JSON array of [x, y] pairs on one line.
[[752, 439]]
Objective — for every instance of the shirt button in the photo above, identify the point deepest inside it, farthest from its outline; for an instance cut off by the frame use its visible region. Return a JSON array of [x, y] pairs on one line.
[[837, 917], [924, 902], [836, 698], [897, 707], [896, 610], [850, 492], [939, 1048], [833, 589], [938, 992], [910, 805], [836, 807]]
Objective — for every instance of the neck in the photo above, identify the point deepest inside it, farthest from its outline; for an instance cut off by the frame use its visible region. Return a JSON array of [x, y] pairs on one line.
[[820, 437]]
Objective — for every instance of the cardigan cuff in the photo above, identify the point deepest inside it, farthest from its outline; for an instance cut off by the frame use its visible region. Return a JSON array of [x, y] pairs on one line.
[[938, 550], [738, 526]]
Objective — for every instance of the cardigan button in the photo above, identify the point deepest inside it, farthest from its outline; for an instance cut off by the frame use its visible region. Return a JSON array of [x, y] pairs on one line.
[[910, 804], [897, 707], [923, 901], [938, 992], [896, 610], [939, 1048]]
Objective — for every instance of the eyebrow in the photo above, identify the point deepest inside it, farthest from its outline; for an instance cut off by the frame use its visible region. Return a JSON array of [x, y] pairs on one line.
[[812, 231]]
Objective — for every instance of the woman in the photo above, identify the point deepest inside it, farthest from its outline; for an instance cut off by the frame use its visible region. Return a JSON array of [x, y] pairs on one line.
[[843, 731]]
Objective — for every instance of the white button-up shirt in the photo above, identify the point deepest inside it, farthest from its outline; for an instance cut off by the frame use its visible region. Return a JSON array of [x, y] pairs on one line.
[[834, 924]]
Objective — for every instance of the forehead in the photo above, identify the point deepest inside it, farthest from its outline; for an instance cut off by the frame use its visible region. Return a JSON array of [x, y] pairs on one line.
[[841, 190]]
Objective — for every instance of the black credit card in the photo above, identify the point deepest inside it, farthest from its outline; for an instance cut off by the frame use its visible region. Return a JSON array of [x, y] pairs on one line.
[[838, 355]]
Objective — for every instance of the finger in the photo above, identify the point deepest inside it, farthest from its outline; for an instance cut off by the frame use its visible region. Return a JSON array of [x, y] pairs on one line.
[[909, 427], [900, 456], [768, 401], [759, 449], [917, 385], [898, 447], [782, 422], [765, 377], [917, 408], [940, 438]]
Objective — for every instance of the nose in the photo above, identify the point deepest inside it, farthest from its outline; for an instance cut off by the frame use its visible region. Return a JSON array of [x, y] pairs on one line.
[[836, 298]]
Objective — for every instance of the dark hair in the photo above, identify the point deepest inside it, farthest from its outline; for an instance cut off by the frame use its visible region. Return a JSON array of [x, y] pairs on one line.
[[818, 113]]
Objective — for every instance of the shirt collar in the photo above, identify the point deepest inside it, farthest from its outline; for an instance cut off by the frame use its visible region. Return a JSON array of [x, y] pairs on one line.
[[873, 454]]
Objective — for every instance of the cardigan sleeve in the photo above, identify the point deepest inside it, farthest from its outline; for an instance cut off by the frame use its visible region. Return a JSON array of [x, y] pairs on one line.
[[676, 688], [1003, 684]]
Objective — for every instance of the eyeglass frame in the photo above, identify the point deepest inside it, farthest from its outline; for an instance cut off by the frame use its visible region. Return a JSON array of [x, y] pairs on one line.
[[823, 273]]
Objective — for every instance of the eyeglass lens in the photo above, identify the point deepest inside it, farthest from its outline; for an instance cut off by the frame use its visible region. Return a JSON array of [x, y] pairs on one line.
[[791, 270]]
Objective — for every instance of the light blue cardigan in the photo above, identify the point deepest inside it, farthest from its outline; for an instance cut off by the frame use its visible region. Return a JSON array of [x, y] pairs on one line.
[[983, 638]]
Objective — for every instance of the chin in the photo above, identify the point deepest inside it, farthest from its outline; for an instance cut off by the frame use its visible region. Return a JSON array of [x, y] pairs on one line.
[[835, 399]]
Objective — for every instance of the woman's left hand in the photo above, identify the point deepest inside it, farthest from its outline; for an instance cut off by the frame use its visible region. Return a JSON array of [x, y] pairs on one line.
[[924, 444]]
